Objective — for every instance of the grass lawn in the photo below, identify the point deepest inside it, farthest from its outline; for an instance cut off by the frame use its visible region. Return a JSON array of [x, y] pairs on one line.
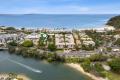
[[113, 76]]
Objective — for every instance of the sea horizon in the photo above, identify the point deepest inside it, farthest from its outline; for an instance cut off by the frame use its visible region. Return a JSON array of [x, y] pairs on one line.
[[67, 21]]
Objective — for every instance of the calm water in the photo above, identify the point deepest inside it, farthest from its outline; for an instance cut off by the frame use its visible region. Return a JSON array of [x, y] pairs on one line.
[[54, 21], [50, 71]]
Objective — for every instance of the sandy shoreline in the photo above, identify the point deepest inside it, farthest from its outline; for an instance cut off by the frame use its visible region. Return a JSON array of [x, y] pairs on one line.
[[19, 76], [79, 68]]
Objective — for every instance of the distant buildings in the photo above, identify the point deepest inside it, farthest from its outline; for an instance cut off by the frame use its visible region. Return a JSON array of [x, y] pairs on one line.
[[60, 31]]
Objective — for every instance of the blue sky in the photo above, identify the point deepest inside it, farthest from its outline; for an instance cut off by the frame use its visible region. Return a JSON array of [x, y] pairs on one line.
[[60, 6]]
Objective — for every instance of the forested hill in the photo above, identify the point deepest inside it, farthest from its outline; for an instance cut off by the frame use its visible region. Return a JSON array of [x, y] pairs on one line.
[[114, 21]]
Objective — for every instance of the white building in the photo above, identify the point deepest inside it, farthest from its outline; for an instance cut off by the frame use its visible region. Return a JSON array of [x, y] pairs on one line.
[[69, 41], [60, 31], [33, 37], [86, 40], [5, 38], [59, 41], [89, 43]]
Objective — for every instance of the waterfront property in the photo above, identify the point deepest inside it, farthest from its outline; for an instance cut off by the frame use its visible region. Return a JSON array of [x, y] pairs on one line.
[[59, 41], [86, 40], [60, 46], [69, 41], [33, 37], [5, 38]]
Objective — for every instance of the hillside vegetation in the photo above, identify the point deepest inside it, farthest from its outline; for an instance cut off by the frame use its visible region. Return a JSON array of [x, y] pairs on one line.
[[114, 21]]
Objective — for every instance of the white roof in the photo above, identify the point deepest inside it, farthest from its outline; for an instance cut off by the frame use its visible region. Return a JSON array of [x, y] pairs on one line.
[[33, 36]]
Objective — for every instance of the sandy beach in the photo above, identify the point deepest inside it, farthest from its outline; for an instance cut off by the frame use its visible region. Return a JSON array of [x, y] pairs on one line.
[[79, 68]]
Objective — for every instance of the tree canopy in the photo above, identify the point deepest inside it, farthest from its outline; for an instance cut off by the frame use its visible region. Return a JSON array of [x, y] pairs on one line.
[[52, 47], [117, 42], [10, 28], [114, 21], [27, 43], [115, 65]]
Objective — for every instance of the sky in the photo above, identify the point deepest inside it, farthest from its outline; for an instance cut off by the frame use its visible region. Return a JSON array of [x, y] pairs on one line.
[[60, 7]]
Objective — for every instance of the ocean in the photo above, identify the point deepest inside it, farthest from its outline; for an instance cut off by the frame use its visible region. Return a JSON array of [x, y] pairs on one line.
[[70, 21]]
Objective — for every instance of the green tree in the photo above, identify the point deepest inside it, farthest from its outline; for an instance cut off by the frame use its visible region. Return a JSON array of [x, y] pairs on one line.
[[52, 47], [23, 29], [27, 43], [98, 67], [10, 28], [96, 37], [114, 21], [87, 47], [98, 57], [117, 42], [99, 70], [86, 65], [115, 65]]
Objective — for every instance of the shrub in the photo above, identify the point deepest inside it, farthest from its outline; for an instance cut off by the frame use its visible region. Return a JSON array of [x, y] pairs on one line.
[[13, 43], [115, 65], [27, 43], [51, 47], [86, 65], [98, 57], [11, 49]]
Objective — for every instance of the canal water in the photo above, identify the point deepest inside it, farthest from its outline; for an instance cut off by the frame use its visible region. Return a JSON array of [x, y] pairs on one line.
[[37, 70]]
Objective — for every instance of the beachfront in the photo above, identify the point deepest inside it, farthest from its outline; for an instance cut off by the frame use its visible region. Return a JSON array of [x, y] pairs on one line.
[[79, 68], [72, 46]]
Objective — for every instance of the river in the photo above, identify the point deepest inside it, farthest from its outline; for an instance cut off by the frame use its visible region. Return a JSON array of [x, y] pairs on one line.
[[36, 69]]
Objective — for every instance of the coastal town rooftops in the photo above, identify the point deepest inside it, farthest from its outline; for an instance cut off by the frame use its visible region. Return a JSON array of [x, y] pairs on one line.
[[89, 42], [7, 35], [61, 30], [33, 36], [59, 35]]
